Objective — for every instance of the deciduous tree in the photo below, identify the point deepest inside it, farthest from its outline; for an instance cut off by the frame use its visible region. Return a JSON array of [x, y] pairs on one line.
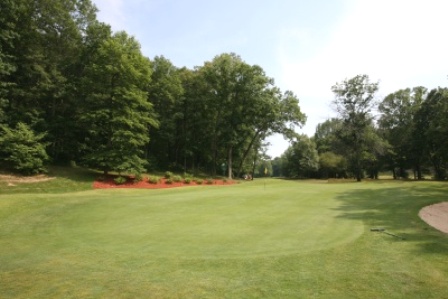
[[354, 101]]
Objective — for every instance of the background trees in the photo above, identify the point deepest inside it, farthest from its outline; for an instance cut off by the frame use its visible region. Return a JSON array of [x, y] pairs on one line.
[[396, 124], [301, 158], [85, 94], [354, 103], [117, 115]]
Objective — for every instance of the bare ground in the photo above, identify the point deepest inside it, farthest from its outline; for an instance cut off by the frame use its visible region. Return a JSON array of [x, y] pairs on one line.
[[436, 215]]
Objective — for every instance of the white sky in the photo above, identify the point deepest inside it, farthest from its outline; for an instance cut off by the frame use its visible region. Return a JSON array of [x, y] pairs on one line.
[[306, 46]]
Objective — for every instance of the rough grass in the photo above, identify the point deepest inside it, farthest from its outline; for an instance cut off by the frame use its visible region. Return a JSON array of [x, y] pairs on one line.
[[261, 239]]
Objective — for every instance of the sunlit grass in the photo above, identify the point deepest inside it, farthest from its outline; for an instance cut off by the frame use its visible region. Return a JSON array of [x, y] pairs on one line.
[[261, 239]]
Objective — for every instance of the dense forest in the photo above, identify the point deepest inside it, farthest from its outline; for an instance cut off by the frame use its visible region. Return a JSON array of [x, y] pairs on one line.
[[73, 91]]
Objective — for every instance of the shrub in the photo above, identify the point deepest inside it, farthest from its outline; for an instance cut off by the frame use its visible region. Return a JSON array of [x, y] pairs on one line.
[[187, 180], [209, 182], [120, 180], [168, 175], [177, 179], [153, 179], [168, 181], [199, 181], [138, 178], [21, 150]]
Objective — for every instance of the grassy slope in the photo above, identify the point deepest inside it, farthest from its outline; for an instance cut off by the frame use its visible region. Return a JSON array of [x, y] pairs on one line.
[[64, 179], [268, 238]]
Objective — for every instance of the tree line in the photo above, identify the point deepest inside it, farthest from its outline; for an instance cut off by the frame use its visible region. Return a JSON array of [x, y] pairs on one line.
[[405, 133], [73, 90]]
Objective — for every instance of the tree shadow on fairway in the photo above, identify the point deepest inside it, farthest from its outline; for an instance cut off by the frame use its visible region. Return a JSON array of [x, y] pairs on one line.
[[75, 174], [396, 210]]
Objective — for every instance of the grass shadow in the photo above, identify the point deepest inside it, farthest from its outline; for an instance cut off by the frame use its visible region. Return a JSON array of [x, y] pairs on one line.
[[396, 210], [61, 180]]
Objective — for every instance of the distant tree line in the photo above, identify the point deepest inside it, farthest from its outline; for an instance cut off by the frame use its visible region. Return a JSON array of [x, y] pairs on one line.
[[405, 133], [72, 90]]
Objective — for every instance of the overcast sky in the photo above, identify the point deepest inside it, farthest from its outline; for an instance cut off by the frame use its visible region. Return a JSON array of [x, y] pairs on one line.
[[306, 46]]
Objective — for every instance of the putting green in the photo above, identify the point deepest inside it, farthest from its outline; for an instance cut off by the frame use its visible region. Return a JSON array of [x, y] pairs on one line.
[[246, 220]]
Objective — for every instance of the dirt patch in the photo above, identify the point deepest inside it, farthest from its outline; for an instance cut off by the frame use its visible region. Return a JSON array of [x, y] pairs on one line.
[[12, 180], [436, 215], [162, 184]]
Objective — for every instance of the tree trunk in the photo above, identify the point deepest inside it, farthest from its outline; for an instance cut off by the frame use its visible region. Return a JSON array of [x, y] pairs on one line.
[[229, 162], [419, 172], [246, 152], [253, 167]]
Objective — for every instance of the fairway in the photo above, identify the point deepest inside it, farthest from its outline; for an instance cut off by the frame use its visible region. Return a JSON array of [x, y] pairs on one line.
[[267, 238]]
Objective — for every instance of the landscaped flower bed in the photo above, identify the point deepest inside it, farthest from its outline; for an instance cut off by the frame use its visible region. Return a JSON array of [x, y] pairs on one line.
[[109, 182]]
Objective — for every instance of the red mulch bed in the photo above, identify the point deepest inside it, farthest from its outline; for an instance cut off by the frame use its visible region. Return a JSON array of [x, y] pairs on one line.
[[144, 184]]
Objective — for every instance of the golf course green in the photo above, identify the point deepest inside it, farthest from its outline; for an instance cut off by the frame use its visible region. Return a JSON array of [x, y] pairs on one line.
[[269, 238]]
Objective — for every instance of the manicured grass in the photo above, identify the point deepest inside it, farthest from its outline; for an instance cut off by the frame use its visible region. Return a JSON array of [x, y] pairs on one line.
[[261, 239]]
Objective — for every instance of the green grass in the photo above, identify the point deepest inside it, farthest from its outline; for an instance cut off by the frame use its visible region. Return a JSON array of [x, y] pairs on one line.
[[262, 239], [64, 179]]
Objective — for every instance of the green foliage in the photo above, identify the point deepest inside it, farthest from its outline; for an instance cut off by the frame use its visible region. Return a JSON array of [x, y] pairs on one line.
[[332, 165], [168, 175], [153, 179], [199, 181], [301, 158], [138, 177], [168, 181], [177, 178], [396, 123], [354, 102], [21, 150], [120, 180], [187, 181], [431, 131], [117, 114], [209, 181]]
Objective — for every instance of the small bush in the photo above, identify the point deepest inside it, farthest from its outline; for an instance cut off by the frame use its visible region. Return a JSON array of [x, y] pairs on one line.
[[168, 181], [168, 175], [224, 180], [120, 180], [153, 179], [177, 179], [138, 178], [209, 182], [187, 181], [199, 181]]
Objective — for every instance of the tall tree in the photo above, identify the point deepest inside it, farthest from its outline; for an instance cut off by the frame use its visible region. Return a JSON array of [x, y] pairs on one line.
[[431, 131], [233, 88], [398, 110], [354, 101], [8, 34], [117, 114], [165, 93], [244, 107]]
